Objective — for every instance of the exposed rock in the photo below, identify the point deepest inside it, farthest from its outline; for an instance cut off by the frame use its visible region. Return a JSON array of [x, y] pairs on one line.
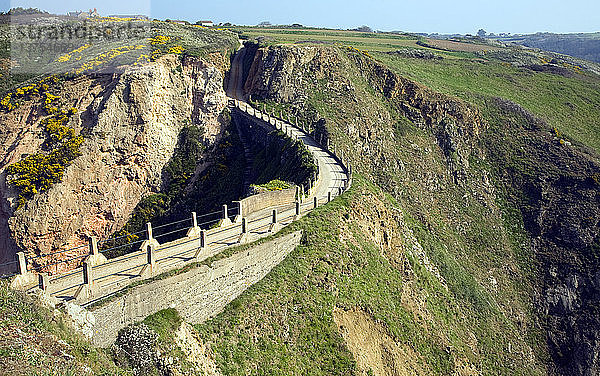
[[131, 122], [559, 200], [287, 73], [197, 352], [137, 344], [83, 320]]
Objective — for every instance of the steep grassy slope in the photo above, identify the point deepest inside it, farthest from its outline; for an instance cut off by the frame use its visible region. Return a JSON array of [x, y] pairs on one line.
[[459, 292], [511, 198], [569, 104], [426, 314], [37, 341]]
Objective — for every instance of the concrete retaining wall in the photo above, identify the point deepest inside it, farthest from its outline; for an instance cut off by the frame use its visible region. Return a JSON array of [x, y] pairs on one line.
[[267, 199], [198, 294]]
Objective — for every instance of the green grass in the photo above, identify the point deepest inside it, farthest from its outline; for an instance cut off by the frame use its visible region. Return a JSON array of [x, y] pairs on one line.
[[274, 185], [283, 324], [567, 104], [29, 343], [363, 41]]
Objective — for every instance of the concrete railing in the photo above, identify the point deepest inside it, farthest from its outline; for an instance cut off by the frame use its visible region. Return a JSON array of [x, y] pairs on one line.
[[98, 277]]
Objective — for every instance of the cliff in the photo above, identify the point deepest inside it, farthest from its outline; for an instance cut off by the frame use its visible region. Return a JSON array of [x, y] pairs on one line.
[[500, 206], [131, 123]]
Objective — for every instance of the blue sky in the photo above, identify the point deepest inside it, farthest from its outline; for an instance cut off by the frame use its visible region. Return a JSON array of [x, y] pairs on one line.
[[516, 16]]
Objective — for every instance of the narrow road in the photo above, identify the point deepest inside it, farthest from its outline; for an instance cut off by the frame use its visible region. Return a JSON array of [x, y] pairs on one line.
[[120, 272]]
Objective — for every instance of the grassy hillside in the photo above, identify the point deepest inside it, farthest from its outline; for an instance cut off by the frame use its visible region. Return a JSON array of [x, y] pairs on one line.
[[107, 44], [37, 341], [438, 320], [450, 285], [425, 253], [569, 104]]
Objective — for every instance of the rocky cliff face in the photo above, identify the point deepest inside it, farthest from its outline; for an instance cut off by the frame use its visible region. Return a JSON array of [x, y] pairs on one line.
[[557, 191], [131, 122], [287, 74]]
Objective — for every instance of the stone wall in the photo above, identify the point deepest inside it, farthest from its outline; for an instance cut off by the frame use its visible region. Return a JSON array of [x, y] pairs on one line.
[[197, 294], [265, 200]]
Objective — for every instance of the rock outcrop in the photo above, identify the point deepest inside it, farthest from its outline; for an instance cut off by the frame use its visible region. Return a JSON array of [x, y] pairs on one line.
[[131, 123]]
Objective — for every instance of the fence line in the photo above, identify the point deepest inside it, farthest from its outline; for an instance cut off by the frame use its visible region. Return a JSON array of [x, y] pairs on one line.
[[202, 237]]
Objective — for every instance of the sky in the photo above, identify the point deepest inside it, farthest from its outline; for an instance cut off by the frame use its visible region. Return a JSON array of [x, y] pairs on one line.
[[445, 17]]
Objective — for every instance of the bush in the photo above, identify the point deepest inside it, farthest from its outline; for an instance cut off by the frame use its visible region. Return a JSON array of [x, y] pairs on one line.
[[38, 172], [274, 185]]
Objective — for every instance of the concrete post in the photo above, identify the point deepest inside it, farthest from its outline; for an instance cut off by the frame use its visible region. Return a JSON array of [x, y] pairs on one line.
[[22, 263], [327, 144], [88, 277], [44, 281], [274, 216], [93, 244], [244, 226], [329, 196], [194, 220], [297, 193], [149, 230], [224, 212], [315, 202]]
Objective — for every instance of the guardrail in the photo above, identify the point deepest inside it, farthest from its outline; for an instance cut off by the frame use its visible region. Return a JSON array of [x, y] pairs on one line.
[[174, 244]]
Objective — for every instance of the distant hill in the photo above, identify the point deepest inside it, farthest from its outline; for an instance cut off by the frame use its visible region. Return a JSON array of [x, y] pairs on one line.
[[584, 45]]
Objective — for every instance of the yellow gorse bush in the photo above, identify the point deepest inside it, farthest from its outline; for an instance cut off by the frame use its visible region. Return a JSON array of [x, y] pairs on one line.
[[66, 57], [109, 55], [10, 100], [159, 39], [175, 50], [38, 172]]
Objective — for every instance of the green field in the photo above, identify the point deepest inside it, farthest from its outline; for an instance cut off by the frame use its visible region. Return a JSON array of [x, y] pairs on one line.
[[360, 40]]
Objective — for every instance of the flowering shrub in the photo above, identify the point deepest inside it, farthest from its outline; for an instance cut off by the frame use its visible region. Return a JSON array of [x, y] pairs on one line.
[[38, 172], [159, 39], [10, 100], [109, 55], [66, 57], [175, 50]]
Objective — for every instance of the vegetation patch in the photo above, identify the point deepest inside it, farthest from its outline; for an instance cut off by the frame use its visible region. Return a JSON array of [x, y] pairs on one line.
[[36, 341], [36, 173], [273, 185]]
